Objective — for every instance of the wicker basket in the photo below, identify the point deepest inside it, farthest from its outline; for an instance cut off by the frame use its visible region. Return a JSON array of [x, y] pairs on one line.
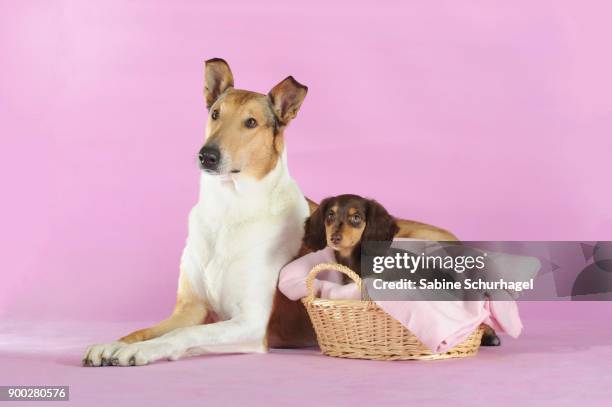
[[362, 330]]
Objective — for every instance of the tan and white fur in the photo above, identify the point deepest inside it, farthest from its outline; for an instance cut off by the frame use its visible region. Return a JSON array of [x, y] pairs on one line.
[[247, 224]]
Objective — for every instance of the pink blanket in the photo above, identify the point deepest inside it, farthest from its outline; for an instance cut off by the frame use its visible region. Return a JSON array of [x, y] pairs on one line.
[[439, 325]]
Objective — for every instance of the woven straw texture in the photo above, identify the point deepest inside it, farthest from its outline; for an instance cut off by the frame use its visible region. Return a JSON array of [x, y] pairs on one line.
[[362, 330]]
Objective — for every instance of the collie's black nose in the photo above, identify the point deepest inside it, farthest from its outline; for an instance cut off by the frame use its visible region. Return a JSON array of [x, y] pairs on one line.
[[209, 157], [336, 238]]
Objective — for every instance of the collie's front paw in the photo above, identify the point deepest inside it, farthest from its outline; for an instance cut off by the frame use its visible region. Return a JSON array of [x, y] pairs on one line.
[[140, 354], [100, 355]]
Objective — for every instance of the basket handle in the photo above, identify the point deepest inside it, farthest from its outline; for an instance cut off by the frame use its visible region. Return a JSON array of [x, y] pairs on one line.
[[329, 266]]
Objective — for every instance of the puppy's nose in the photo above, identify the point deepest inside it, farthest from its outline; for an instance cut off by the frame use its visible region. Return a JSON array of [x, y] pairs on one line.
[[209, 157], [336, 238]]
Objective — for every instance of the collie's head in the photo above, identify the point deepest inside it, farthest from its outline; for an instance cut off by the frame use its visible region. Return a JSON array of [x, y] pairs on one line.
[[244, 133]]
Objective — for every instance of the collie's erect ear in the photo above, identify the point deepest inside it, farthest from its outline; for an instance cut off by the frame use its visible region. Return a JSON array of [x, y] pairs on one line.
[[380, 225], [286, 98], [217, 79], [314, 228]]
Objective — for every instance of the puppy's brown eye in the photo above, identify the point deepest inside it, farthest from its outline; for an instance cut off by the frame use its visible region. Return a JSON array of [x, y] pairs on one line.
[[356, 219], [215, 114], [250, 123], [330, 215]]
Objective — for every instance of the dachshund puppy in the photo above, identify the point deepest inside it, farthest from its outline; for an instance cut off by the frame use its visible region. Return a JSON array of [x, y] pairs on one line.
[[342, 222]]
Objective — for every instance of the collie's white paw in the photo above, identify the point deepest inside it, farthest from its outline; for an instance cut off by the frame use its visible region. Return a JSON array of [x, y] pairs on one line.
[[100, 355], [122, 354], [141, 353]]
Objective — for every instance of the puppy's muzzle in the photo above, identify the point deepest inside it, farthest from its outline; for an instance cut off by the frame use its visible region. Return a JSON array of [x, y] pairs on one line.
[[210, 157], [336, 238]]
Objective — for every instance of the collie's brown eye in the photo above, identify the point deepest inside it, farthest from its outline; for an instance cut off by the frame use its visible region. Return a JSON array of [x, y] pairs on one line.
[[215, 114], [250, 123]]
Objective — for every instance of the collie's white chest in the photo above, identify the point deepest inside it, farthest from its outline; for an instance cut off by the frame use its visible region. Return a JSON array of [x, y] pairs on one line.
[[238, 243]]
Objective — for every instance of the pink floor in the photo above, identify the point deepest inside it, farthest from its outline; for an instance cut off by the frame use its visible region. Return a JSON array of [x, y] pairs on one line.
[[555, 363]]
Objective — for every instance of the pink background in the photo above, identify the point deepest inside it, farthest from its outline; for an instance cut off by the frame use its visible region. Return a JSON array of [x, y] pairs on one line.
[[492, 119]]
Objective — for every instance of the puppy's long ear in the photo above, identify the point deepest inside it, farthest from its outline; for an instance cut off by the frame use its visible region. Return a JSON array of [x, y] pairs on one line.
[[217, 79], [380, 225], [286, 99], [314, 228]]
